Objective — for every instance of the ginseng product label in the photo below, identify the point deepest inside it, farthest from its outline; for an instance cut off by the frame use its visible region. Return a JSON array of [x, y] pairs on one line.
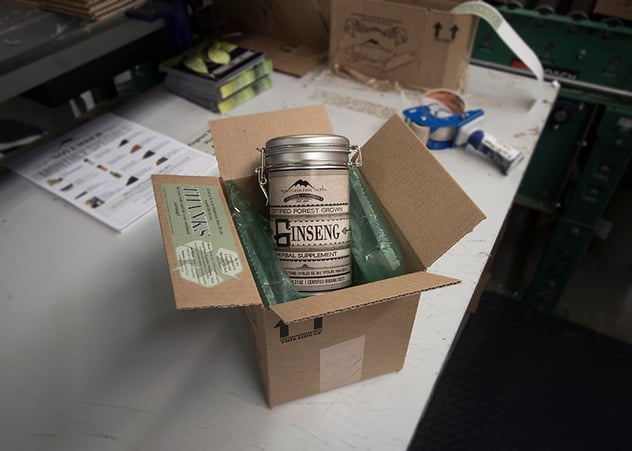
[[309, 218]]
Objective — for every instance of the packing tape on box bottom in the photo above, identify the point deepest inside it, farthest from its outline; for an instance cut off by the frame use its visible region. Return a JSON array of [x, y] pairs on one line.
[[508, 35], [341, 364]]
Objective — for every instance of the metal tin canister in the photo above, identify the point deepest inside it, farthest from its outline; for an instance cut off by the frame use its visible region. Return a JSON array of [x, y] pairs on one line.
[[306, 181]]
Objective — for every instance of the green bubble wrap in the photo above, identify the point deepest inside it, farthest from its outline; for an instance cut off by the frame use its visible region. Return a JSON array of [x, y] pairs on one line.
[[376, 254], [272, 280]]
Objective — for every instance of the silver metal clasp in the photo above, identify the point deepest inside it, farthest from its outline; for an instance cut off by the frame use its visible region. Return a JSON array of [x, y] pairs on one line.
[[355, 159], [261, 173]]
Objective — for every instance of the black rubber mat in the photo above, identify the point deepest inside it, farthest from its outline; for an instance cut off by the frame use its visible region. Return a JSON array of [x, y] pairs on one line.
[[522, 379]]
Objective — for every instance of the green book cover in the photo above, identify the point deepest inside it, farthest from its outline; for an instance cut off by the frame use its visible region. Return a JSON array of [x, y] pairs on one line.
[[217, 94], [246, 78], [232, 102], [244, 95]]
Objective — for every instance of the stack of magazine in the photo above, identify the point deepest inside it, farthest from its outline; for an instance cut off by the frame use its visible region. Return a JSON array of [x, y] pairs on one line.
[[218, 75]]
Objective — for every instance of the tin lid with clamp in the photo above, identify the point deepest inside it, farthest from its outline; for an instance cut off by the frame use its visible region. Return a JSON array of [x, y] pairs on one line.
[[315, 151], [308, 150]]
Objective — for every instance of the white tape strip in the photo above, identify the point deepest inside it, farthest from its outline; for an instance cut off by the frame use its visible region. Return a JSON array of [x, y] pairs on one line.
[[509, 36]]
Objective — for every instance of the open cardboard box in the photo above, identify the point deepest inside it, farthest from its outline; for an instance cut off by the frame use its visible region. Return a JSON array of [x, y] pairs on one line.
[[325, 341]]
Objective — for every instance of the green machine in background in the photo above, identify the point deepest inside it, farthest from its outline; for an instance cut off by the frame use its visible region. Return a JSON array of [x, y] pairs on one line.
[[583, 53], [585, 149]]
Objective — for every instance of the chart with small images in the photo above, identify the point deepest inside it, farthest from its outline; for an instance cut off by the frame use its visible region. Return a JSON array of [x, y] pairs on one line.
[[104, 167]]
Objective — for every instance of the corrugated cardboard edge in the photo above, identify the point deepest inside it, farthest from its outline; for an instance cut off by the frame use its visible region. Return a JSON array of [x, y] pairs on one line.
[[238, 292], [358, 296]]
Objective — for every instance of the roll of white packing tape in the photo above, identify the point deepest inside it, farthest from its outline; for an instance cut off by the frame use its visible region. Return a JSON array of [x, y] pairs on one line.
[[444, 102]]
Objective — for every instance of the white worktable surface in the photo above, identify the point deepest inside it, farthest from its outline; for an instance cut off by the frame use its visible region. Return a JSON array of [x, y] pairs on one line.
[[94, 355]]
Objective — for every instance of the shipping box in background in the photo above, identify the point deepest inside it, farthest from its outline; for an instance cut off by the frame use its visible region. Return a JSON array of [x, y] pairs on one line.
[[417, 43], [292, 33], [321, 342]]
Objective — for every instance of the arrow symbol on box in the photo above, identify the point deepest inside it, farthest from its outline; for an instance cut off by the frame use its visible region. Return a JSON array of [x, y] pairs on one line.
[[437, 28], [454, 29], [284, 329]]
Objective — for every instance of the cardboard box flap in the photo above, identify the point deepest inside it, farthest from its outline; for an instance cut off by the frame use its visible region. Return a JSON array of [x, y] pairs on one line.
[[207, 264], [427, 205], [358, 296], [236, 139]]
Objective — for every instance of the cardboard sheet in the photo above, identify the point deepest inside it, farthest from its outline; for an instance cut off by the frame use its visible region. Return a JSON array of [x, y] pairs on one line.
[[425, 198], [418, 44]]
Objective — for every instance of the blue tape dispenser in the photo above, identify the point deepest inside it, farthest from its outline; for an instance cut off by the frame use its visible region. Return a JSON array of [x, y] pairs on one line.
[[442, 122]]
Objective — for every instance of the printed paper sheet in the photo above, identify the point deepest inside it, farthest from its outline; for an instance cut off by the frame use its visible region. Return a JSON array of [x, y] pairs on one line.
[[104, 167]]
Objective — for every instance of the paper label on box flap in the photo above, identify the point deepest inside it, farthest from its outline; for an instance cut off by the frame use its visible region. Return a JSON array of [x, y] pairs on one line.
[[204, 246]]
